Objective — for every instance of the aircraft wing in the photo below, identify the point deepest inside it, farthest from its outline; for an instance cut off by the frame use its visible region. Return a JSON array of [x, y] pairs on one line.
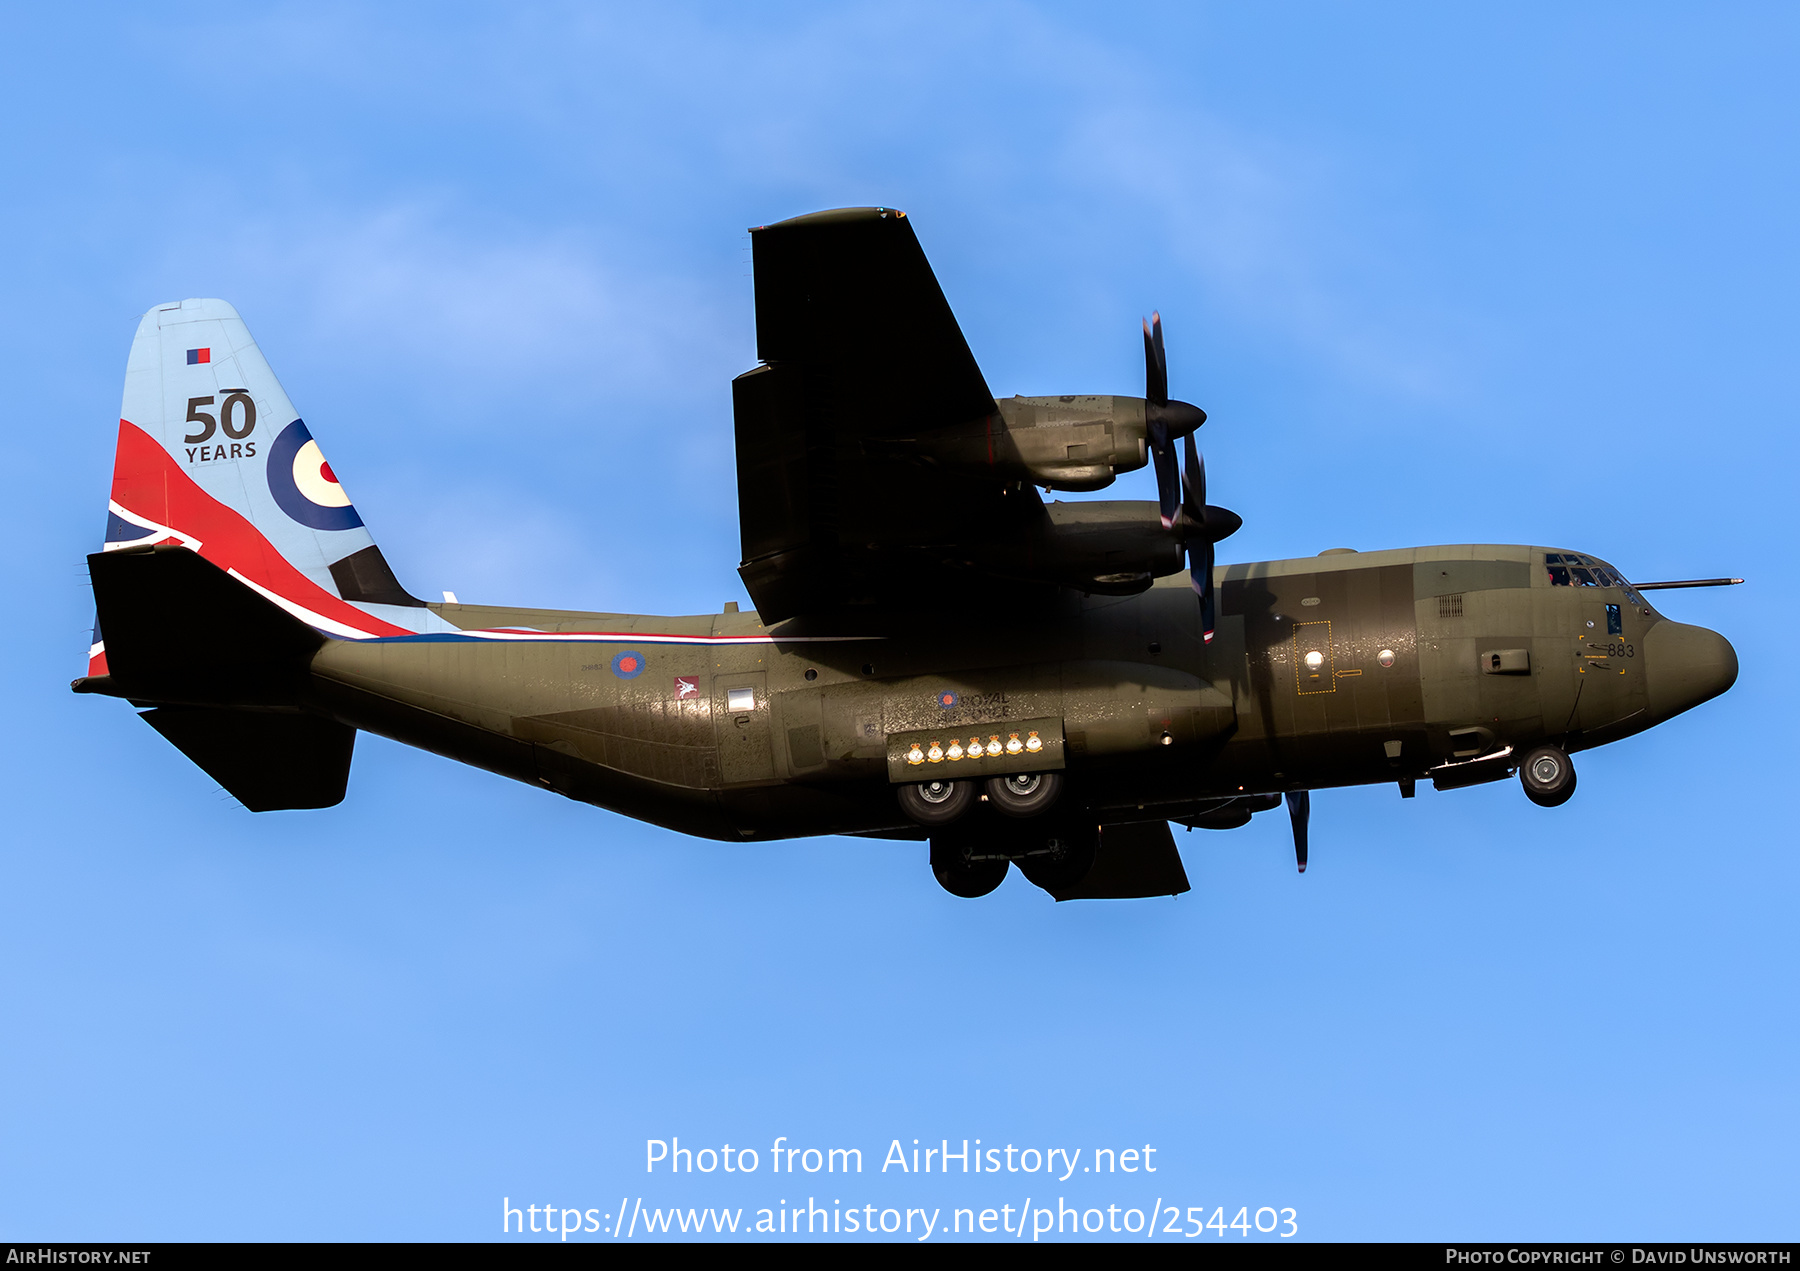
[[841, 507]]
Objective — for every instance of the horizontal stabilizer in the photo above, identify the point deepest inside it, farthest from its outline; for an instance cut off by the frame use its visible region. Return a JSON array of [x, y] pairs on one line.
[[268, 762], [1133, 861], [180, 629]]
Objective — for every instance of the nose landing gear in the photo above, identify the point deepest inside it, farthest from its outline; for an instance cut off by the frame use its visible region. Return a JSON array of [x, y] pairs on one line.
[[1548, 776]]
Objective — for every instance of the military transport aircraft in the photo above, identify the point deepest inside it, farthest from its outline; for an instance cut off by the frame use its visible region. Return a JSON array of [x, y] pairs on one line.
[[936, 652]]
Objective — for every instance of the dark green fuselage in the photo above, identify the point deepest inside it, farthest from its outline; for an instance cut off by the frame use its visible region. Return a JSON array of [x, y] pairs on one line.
[[1343, 669]]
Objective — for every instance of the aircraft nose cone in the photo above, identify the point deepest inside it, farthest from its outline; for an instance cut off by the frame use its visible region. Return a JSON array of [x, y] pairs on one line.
[[1685, 666]]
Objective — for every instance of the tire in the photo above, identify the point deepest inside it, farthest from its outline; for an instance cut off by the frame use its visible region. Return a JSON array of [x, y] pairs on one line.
[[1067, 864], [1025, 793], [960, 876], [937, 802], [1548, 776]]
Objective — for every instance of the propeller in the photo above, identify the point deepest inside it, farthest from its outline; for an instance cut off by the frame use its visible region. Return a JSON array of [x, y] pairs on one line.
[[1201, 527], [1299, 809], [1181, 488], [1165, 421]]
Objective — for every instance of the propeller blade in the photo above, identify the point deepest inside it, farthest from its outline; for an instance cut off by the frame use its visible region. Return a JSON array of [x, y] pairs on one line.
[[1193, 482], [1200, 575], [1156, 365], [1168, 472], [1168, 476], [1299, 808], [1199, 533]]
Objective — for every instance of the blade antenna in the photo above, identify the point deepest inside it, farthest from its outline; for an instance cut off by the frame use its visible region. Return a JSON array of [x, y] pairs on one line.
[[1299, 804]]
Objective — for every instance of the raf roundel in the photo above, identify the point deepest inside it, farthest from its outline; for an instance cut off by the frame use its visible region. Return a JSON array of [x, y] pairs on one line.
[[628, 665], [948, 700], [304, 485]]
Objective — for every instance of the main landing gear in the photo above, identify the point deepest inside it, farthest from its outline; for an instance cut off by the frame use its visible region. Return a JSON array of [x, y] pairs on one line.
[[937, 802], [1019, 794], [1024, 794], [1054, 854], [1062, 859], [959, 875], [1548, 777], [971, 857]]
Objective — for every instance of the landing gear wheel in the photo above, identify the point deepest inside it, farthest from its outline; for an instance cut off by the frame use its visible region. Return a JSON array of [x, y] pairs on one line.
[[960, 876], [937, 802], [1067, 863], [1024, 793], [1548, 777]]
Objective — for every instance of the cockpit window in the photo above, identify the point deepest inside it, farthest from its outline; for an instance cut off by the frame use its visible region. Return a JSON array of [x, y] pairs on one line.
[[1568, 569]]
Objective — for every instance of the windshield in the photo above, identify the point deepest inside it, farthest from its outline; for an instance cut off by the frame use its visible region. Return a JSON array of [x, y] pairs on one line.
[[1571, 569]]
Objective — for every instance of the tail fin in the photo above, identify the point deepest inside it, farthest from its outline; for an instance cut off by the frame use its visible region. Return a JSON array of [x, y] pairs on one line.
[[213, 457]]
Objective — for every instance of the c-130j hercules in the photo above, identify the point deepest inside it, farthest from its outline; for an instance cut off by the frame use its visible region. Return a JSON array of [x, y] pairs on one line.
[[936, 653]]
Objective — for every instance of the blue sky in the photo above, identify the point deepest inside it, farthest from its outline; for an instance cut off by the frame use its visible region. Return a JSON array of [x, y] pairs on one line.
[[1436, 275]]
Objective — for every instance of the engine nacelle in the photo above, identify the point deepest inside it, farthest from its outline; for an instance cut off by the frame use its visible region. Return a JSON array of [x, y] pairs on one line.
[[1076, 443], [1062, 443]]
